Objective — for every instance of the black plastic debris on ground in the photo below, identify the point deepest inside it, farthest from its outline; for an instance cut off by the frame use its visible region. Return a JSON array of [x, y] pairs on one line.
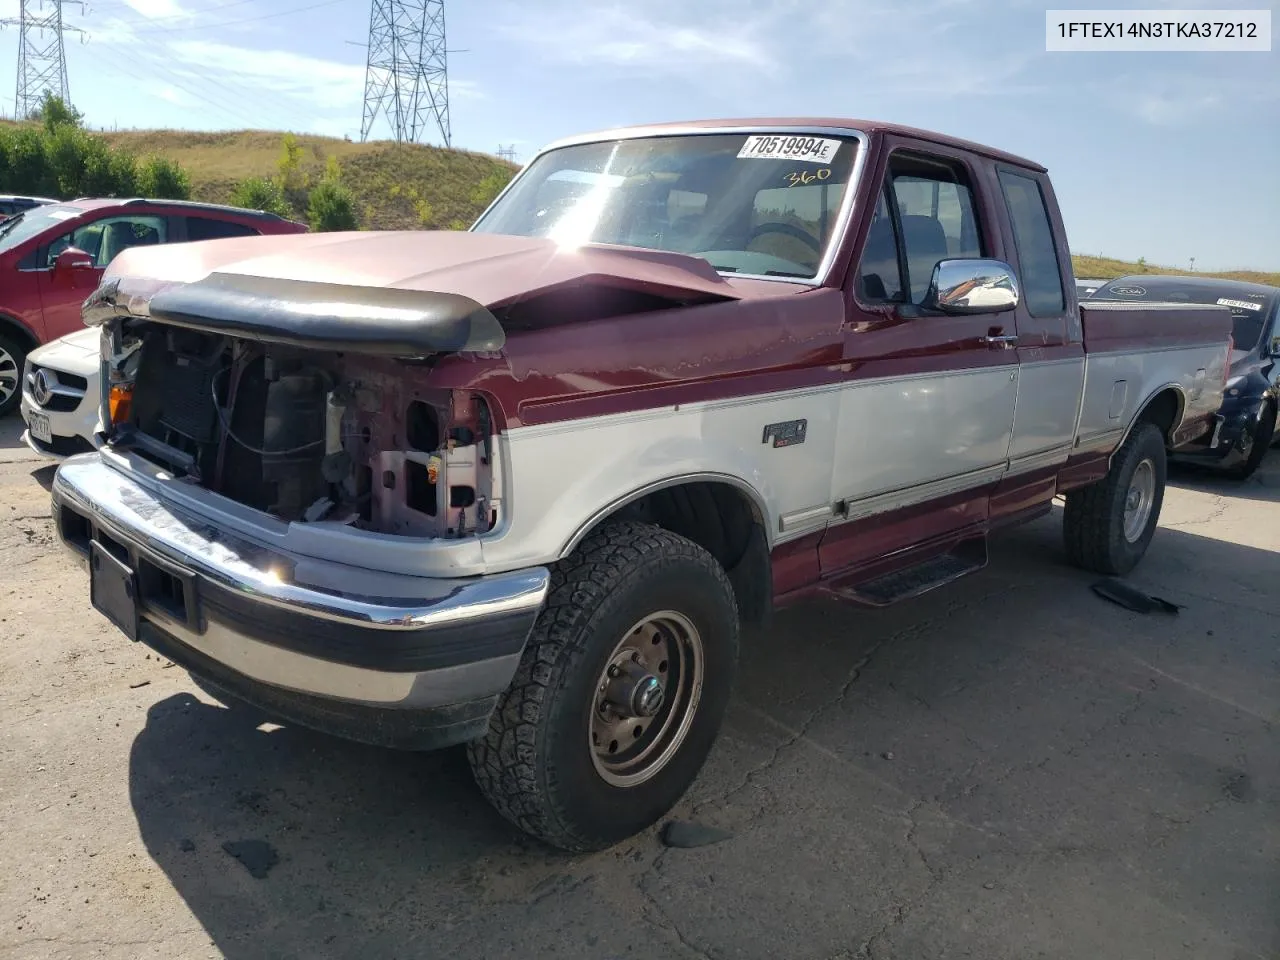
[[677, 833], [1117, 591], [257, 856]]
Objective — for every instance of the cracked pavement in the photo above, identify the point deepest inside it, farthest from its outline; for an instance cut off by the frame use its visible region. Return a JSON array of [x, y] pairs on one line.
[[1007, 767]]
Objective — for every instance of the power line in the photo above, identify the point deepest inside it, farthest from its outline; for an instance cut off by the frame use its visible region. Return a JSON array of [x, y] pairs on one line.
[[407, 71], [233, 23], [507, 153]]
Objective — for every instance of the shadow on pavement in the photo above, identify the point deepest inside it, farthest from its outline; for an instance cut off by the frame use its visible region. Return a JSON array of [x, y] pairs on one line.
[[397, 855], [1263, 486]]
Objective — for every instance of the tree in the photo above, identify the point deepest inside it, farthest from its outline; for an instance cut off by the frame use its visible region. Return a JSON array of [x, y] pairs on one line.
[[160, 178], [54, 113], [292, 178], [260, 193]]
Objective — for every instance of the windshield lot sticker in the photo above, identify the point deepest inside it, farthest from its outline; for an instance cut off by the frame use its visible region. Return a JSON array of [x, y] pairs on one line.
[[1129, 291], [800, 177], [1242, 304], [63, 214], [806, 149]]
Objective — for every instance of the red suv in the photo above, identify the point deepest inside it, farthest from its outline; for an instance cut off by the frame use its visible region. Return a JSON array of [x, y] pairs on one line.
[[52, 257]]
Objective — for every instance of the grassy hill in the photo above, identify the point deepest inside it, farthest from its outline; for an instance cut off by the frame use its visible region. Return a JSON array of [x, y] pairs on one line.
[[397, 186], [1105, 268]]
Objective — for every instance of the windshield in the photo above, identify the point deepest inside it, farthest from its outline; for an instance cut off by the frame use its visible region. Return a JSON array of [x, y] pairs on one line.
[[754, 204], [27, 224], [1249, 308]]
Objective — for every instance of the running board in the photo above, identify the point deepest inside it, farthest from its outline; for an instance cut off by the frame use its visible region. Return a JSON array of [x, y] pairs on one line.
[[964, 558]]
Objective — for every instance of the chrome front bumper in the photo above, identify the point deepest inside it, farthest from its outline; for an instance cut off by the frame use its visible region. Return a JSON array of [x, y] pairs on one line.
[[370, 656]]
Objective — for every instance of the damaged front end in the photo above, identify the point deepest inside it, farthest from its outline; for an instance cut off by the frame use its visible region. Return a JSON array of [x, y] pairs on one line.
[[306, 401]]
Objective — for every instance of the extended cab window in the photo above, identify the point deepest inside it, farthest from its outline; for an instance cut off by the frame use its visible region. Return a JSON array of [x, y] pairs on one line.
[[1033, 237], [206, 228], [925, 214]]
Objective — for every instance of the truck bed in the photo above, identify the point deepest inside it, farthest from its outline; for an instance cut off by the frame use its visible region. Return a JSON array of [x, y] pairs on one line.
[[1136, 351]]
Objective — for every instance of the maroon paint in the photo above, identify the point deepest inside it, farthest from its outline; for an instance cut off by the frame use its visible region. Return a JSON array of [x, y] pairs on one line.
[[795, 567], [1125, 328], [1016, 496], [859, 542], [1083, 468]]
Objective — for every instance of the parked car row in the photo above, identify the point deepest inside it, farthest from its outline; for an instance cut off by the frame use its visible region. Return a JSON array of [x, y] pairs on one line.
[[52, 256]]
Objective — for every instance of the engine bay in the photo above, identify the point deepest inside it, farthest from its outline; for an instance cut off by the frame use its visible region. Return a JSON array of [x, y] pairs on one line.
[[305, 435]]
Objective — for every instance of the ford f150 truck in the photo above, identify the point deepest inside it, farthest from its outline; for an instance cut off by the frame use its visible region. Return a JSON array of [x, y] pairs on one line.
[[520, 486]]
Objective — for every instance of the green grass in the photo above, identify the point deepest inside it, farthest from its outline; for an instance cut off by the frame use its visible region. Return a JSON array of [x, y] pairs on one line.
[[396, 186], [1105, 268]]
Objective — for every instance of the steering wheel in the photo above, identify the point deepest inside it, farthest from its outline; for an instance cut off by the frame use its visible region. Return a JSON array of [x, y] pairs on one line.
[[774, 226]]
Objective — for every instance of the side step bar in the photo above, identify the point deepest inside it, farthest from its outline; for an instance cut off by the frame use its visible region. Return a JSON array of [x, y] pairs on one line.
[[964, 558]]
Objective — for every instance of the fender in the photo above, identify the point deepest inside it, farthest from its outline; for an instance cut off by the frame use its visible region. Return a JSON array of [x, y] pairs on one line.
[[1179, 415]]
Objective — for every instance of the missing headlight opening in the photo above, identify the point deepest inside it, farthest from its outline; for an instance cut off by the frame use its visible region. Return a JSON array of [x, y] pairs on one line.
[[301, 434]]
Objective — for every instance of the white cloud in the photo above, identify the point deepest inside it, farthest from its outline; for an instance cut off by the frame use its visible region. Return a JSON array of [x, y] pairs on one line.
[[671, 40], [172, 95], [156, 8]]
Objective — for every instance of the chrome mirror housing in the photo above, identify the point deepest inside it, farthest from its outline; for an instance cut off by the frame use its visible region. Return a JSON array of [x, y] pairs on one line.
[[972, 286]]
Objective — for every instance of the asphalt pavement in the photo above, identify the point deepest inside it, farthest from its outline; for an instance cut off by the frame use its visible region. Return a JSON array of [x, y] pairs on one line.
[[1007, 767]]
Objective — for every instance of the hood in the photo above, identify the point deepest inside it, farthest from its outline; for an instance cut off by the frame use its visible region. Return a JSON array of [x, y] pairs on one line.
[[394, 293]]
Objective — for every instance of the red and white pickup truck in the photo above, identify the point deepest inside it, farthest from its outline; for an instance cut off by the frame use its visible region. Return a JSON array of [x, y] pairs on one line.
[[520, 486]]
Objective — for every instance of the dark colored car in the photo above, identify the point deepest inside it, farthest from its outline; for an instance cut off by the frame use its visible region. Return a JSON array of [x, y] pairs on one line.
[[11, 203], [1246, 422], [53, 255]]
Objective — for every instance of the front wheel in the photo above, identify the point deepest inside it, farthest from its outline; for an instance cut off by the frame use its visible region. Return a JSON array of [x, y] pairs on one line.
[[1108, 525], [12, 358], [1255, 446], [619, 694]]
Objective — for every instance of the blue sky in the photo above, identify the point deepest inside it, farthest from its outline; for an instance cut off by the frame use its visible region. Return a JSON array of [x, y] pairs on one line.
[[1165, 156]]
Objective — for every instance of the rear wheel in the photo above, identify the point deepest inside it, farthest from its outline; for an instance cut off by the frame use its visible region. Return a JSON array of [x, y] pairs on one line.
[[13, 355], [1256, 444], [1108, 525], [620, 692]]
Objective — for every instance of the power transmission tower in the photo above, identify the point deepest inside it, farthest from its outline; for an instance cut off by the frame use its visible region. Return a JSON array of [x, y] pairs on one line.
[[407, 71], [42, 58], [507, 153]]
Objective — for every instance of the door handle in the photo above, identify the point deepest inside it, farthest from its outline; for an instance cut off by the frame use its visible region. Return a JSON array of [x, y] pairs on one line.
[[999, 342]]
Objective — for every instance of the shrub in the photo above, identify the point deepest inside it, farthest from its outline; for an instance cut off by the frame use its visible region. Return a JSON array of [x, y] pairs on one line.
[[260, 193], [162, 179], [331, 207]]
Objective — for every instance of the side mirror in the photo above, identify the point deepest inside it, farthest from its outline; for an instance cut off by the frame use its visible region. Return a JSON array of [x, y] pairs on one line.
[[964, 287], [72, 260]]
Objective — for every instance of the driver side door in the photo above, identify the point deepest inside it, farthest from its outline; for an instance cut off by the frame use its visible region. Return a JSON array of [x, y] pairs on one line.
[[62, 292]]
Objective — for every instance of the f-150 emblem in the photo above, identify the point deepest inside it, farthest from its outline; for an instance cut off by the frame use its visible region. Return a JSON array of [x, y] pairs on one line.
[[785, 434]]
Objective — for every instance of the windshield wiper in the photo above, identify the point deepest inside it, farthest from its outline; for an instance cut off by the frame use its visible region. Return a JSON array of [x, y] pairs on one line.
[[10, 223]]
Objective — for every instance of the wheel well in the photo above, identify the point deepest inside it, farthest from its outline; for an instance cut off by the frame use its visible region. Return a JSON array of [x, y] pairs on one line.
[[724, 521], [1164, 410], [12, 328]]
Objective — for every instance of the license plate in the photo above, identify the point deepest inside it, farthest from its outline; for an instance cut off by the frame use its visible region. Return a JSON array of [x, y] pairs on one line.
[[39, 427], [113, 589]]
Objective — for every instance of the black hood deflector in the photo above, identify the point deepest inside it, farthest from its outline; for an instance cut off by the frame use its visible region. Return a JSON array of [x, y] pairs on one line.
[[381, 321]]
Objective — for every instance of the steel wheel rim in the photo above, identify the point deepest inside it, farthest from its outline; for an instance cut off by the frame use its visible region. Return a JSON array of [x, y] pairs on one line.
[[9, 375], [1138, 500], [627, 747]]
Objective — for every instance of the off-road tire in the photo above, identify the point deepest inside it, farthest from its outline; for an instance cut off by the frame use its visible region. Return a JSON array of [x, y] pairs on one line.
[[535, 762], [1262, 440], [18, 351], [1093, 520]]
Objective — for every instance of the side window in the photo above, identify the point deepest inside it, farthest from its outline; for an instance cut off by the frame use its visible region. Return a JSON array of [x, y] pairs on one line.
[[206, 228], [1033, 237], [104, 239], [927, 213]]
